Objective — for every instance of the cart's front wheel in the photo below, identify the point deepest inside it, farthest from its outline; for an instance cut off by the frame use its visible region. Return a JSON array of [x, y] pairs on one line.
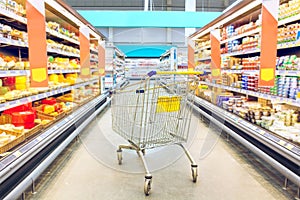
[[194, 174], [147, 186], [119, 153]]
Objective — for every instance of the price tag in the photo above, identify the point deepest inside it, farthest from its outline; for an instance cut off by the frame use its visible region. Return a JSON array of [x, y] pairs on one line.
[[17, 154], [39, 138], [261, 131], [281, 142], [289, 146], [24, 100]]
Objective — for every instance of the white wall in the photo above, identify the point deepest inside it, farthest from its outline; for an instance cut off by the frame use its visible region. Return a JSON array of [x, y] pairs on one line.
[[161, 36]]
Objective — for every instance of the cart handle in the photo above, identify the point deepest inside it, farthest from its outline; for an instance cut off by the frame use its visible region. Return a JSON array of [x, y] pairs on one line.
[[151, 73]]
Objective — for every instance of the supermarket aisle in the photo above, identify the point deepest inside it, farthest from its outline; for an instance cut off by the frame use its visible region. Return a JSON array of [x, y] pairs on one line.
[[89, 170]]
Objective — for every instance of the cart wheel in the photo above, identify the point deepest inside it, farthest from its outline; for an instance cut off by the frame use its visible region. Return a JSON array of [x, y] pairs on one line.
[[194, 174], [147, 186], [119, 154], [143, 151]]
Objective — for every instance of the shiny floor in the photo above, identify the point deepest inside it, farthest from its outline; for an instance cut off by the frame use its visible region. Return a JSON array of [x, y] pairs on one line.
[[88, 169]]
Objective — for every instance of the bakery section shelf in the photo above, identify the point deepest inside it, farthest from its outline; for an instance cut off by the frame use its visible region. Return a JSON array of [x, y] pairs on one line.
[[31, 98]]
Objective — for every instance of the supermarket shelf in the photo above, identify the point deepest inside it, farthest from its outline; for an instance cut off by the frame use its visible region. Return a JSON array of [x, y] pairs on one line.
[[203, 48], [93, 50], [289, 20], [61, 36], [94, 59], [62, 71], [13, 42], [288, 72], [205, 58], [288, 45], [241, 52], [257, 30], [275, 99], [50, 50], [240, 71], [284, 147], [13, 16], [45, 147], [6, 73], [18, 102]]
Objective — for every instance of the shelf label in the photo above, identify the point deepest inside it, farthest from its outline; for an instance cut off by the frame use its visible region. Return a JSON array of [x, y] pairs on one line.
[[289, 146], [39, 138], [268, 42], [281, 142], [17, 154]]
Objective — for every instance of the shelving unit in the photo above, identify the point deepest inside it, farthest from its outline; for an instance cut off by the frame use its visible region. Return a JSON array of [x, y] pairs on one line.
[[62, 72], [115, 66], [168, 60], [138, 68], [238, 80]]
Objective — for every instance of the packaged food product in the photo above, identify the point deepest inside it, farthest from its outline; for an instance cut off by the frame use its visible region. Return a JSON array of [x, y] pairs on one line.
[[49, 101]]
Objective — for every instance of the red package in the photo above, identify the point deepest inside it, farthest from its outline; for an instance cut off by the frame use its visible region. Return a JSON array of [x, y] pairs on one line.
[[8, 81], [26, 125], [49, 101], [26, 117], [24, 107]]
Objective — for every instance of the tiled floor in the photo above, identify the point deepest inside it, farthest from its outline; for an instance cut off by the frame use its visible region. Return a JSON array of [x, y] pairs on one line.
[[88, 169]]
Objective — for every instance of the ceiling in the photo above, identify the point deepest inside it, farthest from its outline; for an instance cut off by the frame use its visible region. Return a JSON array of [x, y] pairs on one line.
[[158, 5]]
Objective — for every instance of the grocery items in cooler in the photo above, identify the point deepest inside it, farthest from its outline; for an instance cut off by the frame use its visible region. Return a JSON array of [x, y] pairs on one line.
[[289, 62], [57, 27], [59, 46], [288, 33], [289, 9]]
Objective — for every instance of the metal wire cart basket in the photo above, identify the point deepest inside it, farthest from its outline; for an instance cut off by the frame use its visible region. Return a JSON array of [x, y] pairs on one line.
[[155, 112]]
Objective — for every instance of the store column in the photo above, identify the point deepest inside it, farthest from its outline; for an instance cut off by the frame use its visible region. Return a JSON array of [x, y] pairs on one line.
[[101, 56], [215, 38], [36, 28], [268, 42], [84, 39], [190, 6]]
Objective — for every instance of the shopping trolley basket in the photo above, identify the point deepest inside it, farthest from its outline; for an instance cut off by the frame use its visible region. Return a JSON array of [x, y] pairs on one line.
[[155, 112]]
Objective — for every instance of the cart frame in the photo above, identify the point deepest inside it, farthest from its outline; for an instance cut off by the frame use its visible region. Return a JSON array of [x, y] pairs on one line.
[[151, 114]]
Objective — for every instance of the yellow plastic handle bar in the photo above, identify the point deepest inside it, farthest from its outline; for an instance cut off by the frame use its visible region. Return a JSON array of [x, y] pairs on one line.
[[179, 73]]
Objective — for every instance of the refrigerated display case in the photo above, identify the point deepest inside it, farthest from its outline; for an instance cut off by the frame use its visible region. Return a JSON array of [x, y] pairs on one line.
[[50, 85], [253, 93]]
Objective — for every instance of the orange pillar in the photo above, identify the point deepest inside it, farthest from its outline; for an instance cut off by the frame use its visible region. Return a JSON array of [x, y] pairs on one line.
[[268, 42], [36, 28], [215, 54], [101, 57], [84, 39], [191, 54]]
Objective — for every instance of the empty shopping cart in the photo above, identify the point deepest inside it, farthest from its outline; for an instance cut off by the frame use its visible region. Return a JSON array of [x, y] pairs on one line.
[[155, 112]]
